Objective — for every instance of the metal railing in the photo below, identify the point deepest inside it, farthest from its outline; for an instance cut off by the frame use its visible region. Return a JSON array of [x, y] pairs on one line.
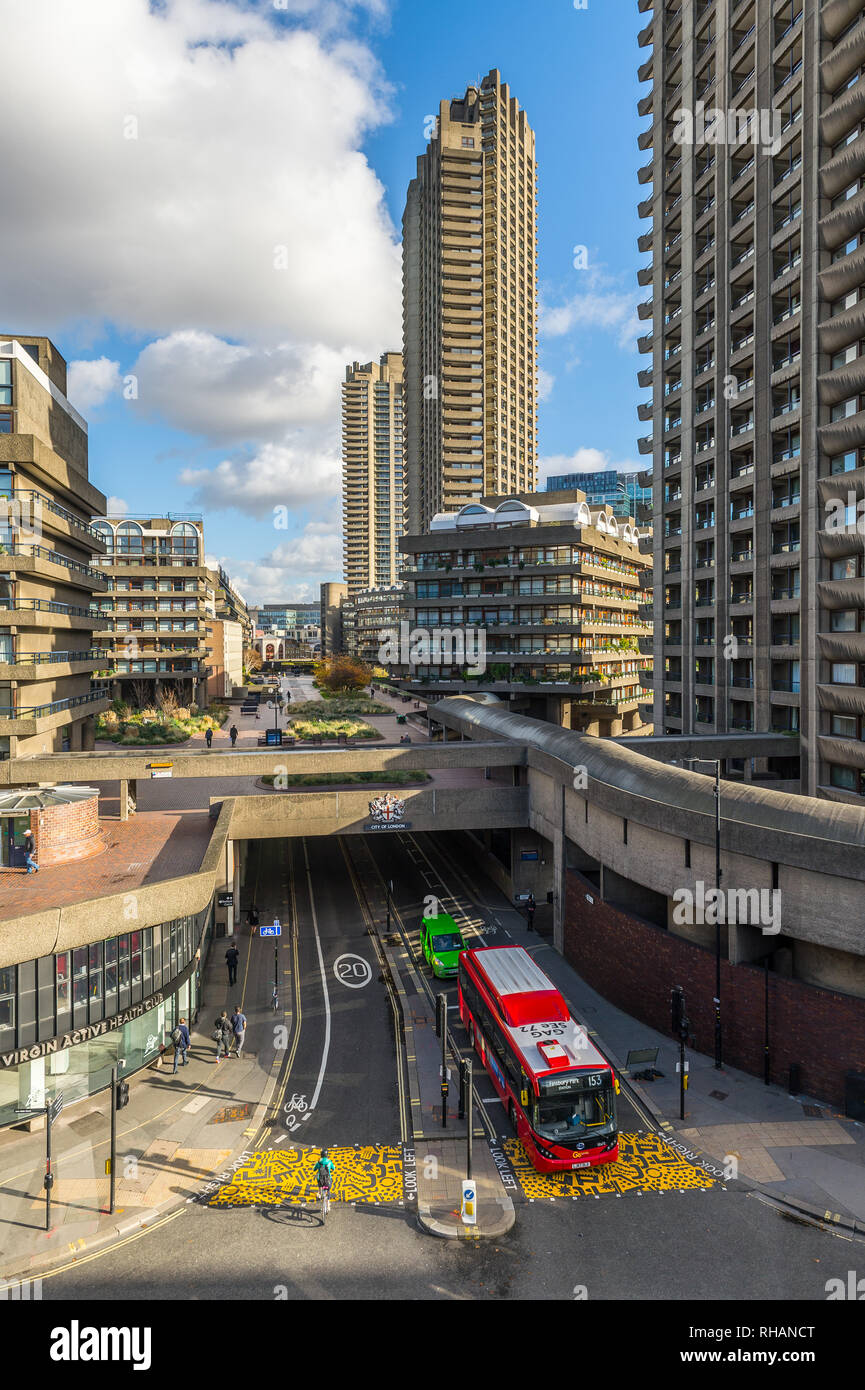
[[55, 706]]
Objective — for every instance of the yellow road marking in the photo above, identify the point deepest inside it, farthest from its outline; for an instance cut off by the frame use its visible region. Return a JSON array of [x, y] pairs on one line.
[[276, 1177], [645, 1164]]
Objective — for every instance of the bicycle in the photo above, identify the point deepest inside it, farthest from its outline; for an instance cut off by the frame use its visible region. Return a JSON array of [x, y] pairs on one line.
[[324, 1200]]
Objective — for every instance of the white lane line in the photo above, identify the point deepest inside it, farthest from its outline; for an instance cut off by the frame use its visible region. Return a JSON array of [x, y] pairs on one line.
[[323, 973]]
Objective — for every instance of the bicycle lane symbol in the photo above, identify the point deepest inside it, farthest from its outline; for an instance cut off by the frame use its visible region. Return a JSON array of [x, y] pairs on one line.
[[294, 1107]]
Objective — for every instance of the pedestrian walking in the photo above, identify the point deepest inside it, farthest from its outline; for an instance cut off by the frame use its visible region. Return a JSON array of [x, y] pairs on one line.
[[232, 734], [232, 956], [530, 912], [208, 737], [222, 1035], [29, 851], [180, 1038], [238, 1024]]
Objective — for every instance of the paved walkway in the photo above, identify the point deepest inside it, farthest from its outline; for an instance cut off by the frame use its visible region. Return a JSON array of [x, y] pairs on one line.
[[175, 1137]]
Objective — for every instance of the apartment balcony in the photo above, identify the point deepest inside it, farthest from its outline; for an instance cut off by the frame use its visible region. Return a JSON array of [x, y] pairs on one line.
[[645, 344], [842, 646], [841, 699], [646, 444], [26, 720], [834, 438], [646, 309], [645, 377], [645, 275], [843, 114], [842, 382], [20, 558], [839, 485], [841, 593], [839, 224], [645, 139], [842, 329], [843, 275], [839, 172], [841, 542], [644, 410], [644, 106], [844, 59], [40, 666], [52, 516], [45, 613]]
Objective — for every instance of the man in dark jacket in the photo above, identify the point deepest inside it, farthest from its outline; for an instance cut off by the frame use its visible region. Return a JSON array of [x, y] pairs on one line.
[[232, 956], [223, 1034], [181, 1040], [232, 734]]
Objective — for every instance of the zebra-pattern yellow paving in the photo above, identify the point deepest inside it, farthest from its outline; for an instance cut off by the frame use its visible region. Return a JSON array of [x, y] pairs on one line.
[[276, 1177], [645, 1164]]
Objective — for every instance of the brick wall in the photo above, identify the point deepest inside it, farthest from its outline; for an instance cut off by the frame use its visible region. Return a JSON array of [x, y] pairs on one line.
[[67, 833], [635, 965]]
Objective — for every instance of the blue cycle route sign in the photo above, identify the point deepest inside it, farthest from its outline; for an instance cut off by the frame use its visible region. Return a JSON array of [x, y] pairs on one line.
[[275, 930]]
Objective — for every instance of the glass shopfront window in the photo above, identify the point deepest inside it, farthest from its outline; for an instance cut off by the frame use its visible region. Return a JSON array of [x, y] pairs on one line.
[[64, 997], [110, 976], [42, 999], [7, 1007], [95, 982]]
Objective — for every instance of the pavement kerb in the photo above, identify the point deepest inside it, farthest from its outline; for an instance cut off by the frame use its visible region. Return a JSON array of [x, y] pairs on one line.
[[491, 1226]]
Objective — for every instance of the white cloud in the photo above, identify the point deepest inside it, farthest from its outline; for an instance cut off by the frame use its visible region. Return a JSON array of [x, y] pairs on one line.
[[225, 391], [277, 475], [602, 304], [584, 460], [246, 136], [90, 383], [546, 382], [115, 506], [295, 567]]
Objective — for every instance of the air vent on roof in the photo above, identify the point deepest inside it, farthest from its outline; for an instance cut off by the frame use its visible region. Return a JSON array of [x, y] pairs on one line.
[[554, 1054]]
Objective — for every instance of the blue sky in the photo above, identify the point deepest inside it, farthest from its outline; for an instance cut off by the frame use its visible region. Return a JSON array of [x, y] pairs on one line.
[[206, 221]]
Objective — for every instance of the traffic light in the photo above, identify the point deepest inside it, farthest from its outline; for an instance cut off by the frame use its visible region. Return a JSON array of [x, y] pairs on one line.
[[122, 1094], [678, 1011]]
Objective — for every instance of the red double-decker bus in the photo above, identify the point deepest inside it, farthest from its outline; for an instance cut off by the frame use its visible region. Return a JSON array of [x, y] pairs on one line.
[[558, 1089]]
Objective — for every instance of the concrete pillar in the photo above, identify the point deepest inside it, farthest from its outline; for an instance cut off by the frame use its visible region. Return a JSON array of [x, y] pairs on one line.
[[88, 734], [124, 798]]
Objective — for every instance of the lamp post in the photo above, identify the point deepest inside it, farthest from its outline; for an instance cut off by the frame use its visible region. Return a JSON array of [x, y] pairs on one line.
[[716, 763]]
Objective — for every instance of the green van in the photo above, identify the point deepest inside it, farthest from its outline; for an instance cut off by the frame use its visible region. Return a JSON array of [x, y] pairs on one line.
[[441, 943]]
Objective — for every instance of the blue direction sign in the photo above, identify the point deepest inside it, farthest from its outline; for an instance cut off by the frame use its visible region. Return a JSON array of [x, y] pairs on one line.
[[275, 930]]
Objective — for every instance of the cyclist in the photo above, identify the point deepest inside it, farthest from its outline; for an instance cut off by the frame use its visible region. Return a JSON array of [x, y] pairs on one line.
[[324, 1170]]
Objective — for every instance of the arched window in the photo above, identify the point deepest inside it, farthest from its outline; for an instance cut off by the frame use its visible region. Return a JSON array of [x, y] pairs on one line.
[[184, 540], [129, 538]]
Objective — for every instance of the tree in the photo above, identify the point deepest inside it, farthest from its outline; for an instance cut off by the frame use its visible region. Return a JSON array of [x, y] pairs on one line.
[[142, 693], [252, 658], [342, 673]]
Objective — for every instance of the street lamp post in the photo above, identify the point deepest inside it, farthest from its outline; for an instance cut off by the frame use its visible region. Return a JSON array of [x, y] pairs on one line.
[[716, 763]]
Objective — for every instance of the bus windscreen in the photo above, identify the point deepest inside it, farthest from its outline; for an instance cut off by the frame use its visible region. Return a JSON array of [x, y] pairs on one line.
[[574, 1107]]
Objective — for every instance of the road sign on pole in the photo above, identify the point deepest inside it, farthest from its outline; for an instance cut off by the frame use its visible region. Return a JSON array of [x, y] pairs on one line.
[[275, 930]]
